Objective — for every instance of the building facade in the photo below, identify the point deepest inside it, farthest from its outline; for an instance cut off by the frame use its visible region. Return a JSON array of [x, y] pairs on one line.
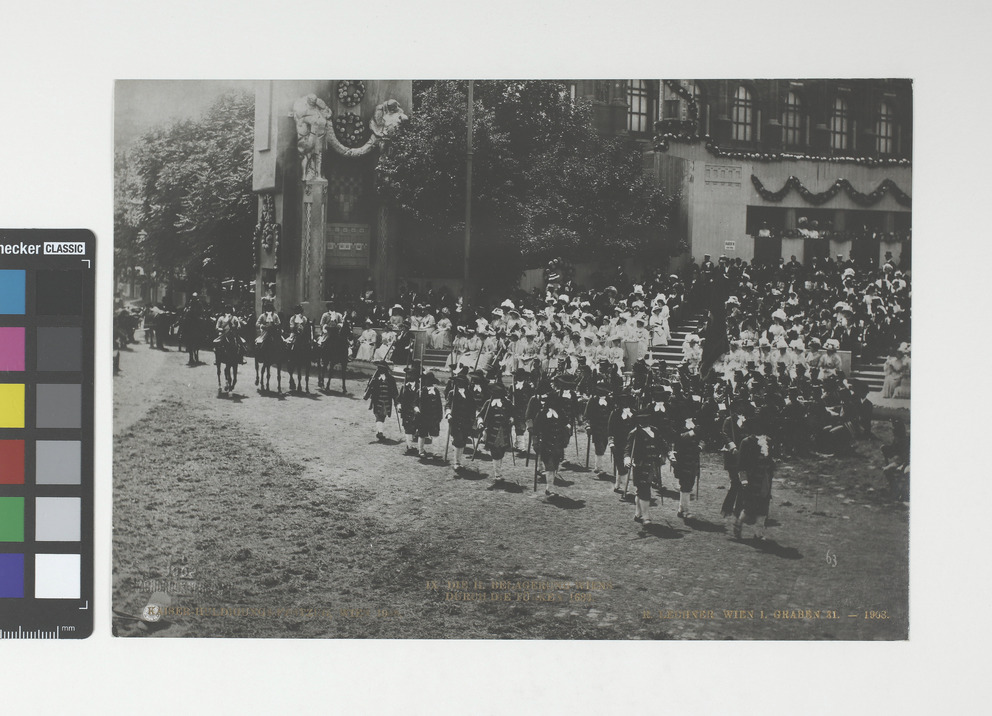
[[321, 228], [769, 169]]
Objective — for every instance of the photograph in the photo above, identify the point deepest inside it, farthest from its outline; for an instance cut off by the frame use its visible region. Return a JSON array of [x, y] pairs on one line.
[[527, 359]]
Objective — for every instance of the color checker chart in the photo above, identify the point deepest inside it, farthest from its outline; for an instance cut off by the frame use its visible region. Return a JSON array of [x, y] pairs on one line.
[[47, 284]]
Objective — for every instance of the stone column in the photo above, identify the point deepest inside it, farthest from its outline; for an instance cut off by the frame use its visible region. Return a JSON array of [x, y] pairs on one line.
[[314, 245]]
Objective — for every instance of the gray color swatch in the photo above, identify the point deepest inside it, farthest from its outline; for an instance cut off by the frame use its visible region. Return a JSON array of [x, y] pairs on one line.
[[59, 406], [57, 519], [58, 462], [60, 348]]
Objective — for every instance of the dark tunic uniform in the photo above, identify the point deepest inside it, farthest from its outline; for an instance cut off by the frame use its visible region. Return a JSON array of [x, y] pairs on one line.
[[381, 392], [597, 415], [461, 403], [521, 393], [642, 447], [686, 459], [408, 399], [428, 422], [552, 430], [758, 467], [618, 428], [497, 424]]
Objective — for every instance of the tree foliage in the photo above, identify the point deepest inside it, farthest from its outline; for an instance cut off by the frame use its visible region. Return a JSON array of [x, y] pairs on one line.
[[183, 201], [544, 182]]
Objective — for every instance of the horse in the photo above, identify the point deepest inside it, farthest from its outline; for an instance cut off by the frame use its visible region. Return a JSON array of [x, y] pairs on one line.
[[227, 352], [298, 355], [335, 350], [268, 353], [190, 334]]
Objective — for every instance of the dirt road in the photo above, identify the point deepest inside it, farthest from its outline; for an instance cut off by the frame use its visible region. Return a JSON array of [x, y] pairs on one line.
[[265, 516]]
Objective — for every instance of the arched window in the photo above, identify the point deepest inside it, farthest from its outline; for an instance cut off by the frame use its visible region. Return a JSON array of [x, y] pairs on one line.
[[742, 118], [792, 121], [885, 129], [839, 125], [639, 106]]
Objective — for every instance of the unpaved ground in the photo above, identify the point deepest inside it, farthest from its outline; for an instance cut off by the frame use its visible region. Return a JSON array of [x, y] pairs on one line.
[[282, 516]]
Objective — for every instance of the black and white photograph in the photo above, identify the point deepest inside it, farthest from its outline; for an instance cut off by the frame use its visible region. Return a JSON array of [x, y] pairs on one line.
[[524, 359], [486, 383]]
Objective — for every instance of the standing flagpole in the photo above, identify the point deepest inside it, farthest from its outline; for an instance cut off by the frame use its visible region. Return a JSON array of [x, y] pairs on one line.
[[466, 282]]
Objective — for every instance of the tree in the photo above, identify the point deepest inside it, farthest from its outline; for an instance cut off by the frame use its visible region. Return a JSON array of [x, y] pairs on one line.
[[183, 198], [545, 183]]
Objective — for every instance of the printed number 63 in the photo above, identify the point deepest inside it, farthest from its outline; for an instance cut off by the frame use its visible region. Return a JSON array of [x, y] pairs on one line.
[[831, 558]]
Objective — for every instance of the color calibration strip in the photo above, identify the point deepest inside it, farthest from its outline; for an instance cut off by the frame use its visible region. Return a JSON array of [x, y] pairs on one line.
[[47, 288]]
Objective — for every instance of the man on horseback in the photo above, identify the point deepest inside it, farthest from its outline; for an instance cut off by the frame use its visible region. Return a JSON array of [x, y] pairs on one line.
[[189, 328], [268, 321], [298, 323], [228, 347], [299, 343], [268, 344], [329, 319]]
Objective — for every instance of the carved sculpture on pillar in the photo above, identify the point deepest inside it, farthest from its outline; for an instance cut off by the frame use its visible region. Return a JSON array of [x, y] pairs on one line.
[[387, 117], [313, 117]]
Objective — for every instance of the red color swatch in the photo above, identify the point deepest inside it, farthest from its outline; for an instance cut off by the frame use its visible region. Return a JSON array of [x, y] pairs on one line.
[[11, 462]]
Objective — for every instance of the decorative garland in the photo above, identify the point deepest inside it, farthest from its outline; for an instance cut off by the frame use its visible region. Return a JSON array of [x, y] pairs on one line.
[[846, 235], [662, 140], [682, 92], [268, 233], [350, 130], [350, 92], [856, 196]]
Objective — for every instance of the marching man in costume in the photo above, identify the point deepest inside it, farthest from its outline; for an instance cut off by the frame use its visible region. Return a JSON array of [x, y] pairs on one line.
[[641, 455], [381, 393], [429, 412], [597, 415], [407, 404], [494, 419], [460, 413], [522, 390], [685, 464], [757, 468], [619, 426]]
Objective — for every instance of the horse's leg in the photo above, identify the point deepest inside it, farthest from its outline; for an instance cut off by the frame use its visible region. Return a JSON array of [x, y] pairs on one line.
[[218, 377], [344, 371], [256, 368], [306, 368], [234, 374], [278, 377]]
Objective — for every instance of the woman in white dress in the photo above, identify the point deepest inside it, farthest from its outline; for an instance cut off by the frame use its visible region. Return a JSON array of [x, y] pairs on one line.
[[473, 345], [441, 335], [896, 384], [661, 332], [458, 347], [388, 337], [367, 342]]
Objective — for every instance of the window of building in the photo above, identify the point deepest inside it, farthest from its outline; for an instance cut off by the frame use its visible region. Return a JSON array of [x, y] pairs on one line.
[[885, 129], [639, 107], [839, 125], [742, 118], [792, 121]]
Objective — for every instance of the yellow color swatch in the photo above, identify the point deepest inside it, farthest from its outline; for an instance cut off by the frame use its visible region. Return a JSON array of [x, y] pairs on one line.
[[11, 405]]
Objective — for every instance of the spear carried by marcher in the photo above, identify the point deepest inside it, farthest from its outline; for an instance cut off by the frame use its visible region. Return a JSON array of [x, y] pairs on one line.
[[630, 468]]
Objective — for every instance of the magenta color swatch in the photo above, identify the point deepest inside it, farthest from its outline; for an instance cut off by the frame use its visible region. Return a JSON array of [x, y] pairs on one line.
[[11, 349]]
